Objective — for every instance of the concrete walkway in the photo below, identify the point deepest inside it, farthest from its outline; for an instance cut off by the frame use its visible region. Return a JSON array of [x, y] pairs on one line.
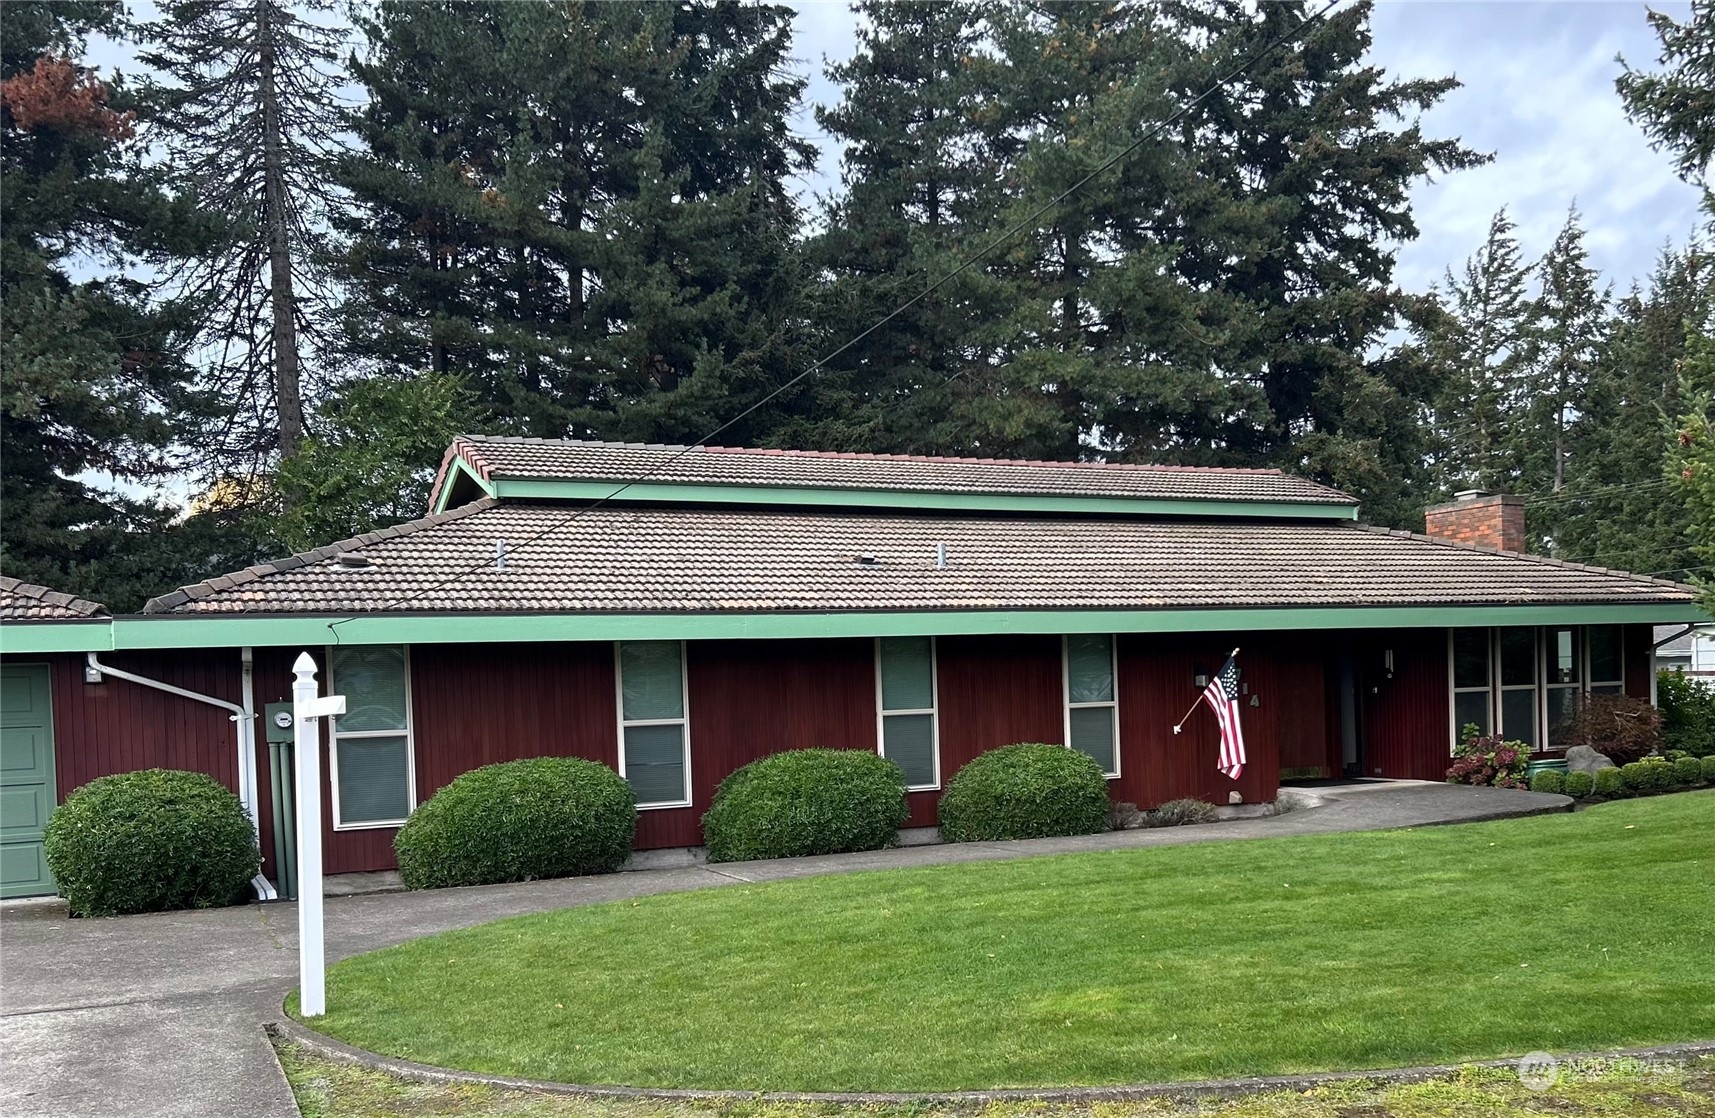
[[160, 1016]]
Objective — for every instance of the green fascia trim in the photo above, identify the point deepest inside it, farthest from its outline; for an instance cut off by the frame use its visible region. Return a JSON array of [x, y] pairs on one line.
[[678, 494], [192, 631], [56, 636], [459, 466]]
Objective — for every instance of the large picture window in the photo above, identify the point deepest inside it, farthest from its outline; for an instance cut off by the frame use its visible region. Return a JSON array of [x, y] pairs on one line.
[[1092, 699], [370, 765], [908, 733], [654, 732], [1528, 684]]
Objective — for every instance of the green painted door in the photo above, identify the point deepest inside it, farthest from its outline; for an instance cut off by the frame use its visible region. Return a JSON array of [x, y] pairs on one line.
[[27, 794]]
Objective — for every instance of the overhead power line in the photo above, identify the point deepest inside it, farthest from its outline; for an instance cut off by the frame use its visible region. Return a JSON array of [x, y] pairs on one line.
[[1022, 225]]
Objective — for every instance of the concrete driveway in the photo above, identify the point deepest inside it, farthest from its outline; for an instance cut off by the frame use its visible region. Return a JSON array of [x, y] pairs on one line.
[[161, 1016]]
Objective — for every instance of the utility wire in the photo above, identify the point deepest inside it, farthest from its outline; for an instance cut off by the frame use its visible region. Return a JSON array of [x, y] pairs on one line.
[[1023, 224]]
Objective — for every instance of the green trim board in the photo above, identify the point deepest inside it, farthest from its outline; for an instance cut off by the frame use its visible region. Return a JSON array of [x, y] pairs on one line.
[[682, 494], [56, 636], [458, 470], [220, 631]]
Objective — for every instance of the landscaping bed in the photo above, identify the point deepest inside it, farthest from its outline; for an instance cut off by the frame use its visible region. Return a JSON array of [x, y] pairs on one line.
[[1382, 949]]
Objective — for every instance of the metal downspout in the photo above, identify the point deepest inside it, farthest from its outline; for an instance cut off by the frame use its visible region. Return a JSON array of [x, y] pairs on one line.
[[246, 728]]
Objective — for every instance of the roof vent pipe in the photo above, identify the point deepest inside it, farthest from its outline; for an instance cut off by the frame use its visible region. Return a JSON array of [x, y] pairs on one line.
[[940, 557], [500, 555]]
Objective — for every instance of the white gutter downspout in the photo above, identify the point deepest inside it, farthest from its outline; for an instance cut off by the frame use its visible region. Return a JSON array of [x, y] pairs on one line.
[[245, 718]]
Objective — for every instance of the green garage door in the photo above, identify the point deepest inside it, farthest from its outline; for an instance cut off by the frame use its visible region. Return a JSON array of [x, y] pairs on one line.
[[26, 779]]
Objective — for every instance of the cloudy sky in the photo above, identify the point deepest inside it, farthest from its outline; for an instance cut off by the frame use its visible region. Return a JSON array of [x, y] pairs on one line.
[[1538, 94]]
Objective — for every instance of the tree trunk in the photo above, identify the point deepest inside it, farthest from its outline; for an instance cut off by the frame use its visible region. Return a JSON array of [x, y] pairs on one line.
[[288, 395]]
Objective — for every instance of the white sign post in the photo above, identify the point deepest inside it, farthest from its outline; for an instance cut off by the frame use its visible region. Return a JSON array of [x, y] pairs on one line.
[[307, 712]]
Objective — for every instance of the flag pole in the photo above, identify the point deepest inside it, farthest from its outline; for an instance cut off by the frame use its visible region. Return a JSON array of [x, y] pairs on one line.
[[1199, 700]]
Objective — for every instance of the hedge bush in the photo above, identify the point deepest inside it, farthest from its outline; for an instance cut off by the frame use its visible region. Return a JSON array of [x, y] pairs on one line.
[[1687, 713], [1610, 783], [151, 841], [1708, 765], [1025, 791], [806, 801], [1549, 780], [519, 821], [1579, 784], [1646, 776], [1688, 771]]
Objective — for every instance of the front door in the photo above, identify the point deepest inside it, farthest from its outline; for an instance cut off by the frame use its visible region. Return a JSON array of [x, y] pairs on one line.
[[27, 795]]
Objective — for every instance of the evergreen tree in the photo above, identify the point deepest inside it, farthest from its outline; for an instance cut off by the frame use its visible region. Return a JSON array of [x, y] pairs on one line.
[[1674, 106], [1480, 344], [245, 123], [579, 208], [93, 382]]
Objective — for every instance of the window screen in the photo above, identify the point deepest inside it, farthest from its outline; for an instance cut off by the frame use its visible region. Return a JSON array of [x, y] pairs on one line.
[[906, 668], [371, 770], [653, 735]]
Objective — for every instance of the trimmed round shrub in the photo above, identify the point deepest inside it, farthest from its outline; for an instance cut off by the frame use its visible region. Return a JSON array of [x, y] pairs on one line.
[[1025, 791], [151, 841], [806, 801], [1708, 765], [1579, 784], [519, 821], [1610, 783], [1687, 771], [1549, 780]]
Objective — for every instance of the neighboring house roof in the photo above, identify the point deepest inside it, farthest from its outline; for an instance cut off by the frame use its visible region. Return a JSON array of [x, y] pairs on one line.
[[489, 460], [25, 601], [1674, 640], [560, 559]]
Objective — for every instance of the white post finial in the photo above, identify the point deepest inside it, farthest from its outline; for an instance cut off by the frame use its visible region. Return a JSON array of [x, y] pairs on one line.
[[307, 712]]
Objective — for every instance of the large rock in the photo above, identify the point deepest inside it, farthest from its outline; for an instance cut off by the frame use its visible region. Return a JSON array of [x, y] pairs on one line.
[[1583, 759]]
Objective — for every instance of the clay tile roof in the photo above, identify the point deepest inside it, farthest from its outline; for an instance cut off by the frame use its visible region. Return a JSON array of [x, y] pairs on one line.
[[565, 460], [25, 601], [701, 560]]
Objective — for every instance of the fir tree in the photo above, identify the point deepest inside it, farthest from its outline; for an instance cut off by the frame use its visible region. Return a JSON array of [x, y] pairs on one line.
[[93, 381], [245, 123]]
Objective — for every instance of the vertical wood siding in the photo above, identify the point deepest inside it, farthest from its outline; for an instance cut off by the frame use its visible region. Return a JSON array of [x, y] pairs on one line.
[[1638, 641], [749, 699], [1156, 687], [994, 691], [1406, 720], [115, 726]]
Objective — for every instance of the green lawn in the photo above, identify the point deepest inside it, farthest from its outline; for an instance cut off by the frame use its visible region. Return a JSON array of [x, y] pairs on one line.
[[1561, 933]]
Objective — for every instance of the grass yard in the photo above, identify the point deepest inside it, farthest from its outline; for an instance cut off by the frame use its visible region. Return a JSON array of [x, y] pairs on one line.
[[325, 1089], [1560, 933]]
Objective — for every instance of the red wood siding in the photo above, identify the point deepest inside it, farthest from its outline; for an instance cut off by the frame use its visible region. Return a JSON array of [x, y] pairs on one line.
[[1156, 687], [1407, 723], [115, 726], [994, 691], [749, 699], [1639, 640]]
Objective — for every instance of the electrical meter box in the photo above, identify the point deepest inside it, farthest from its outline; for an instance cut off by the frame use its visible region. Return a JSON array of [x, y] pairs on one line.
[[278, 716]]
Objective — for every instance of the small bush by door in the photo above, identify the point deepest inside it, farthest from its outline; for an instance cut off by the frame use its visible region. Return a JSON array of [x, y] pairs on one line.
[[151, 841], [806, 801], [519, 821], [1025, 791]]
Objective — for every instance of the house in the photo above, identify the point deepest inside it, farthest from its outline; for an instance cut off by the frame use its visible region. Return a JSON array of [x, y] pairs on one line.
[[1683, 648], [677, 612]]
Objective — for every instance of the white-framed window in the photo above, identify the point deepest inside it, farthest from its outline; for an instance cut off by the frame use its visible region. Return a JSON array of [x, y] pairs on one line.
[[1527, 684], [907, 700], [371, 762], [654, 722], [1605, 645], [1471, 653], [1089, 675]]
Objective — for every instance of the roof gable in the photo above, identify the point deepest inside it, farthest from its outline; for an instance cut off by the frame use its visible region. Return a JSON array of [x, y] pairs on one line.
[[631, 473]]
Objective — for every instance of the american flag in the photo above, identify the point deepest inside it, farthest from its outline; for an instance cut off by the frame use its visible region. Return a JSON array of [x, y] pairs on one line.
[[1222, 695]]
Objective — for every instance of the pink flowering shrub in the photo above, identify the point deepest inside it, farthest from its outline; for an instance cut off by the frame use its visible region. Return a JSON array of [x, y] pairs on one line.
[[1489, 760]]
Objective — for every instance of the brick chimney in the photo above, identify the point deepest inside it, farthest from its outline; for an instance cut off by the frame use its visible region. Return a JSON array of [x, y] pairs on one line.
[[1478, 517]]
